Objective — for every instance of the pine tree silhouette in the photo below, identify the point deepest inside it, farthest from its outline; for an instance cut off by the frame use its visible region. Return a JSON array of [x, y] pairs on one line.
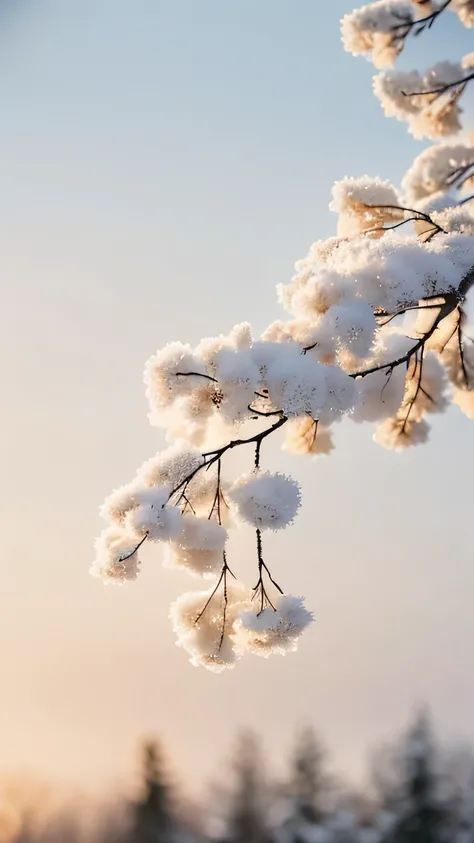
[[153, 820]]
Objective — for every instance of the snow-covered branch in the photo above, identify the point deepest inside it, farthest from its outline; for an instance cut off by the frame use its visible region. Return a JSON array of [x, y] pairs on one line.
[[375, 331]]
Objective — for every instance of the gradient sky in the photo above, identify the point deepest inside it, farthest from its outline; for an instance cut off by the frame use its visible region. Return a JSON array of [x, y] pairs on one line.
[[162, 165]]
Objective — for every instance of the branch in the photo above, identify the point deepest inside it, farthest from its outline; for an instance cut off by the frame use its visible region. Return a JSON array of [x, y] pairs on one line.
[[460, 175], [129, 555], [222, 579], [264, 414], [451, 301], [467, 199], [224, 611], [390, 227], [461, 349], [418, 215], [235, 443], [215, 456], [418, 369], [420, 24], [213, 593], [217, 497], [466, 284], [443, 88], [265, 600], [390, 316], [196, 375]]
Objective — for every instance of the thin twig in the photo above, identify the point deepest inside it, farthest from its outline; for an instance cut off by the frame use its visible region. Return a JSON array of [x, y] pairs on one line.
[[442, 89], [213, 593], [264, 415], [467, 199], [417, 215], [259, 589], [129, 555], [420, 24], [417, 369], [451, 301], [196, 375]]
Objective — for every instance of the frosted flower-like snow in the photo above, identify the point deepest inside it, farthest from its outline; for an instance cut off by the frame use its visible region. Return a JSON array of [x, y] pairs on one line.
[[313, 290], [205, 635], [200, 563], [407, 97], [239, 378], [304, 435], [272, 631], [384, 273], [380, 395], [351, 325], [364, 339], [116, 556], [398, 434], [370, 30], [455, 219], [172, 466], [342, 395], [199, 546], [301, 331], [464, 399], [465, 11], [175, 372], [266, 501], [296, 383], [431, 170], [122, 500], [239, 338], [460, 371], [356, 200], [154, 518], [202, 534]]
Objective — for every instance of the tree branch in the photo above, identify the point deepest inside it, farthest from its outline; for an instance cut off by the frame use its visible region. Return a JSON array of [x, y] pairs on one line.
[[451, 301], [442, 89], [418, 215], [196, 375], [420, 24], [260, 589], [129, 555]]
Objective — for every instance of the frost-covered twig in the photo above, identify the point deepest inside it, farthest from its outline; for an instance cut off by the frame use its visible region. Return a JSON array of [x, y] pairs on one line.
[[445, 309], [442, 89], [259, 589], [418, 25]]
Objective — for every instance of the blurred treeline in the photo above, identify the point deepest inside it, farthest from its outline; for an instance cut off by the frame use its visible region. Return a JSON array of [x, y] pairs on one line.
[[416, 792]]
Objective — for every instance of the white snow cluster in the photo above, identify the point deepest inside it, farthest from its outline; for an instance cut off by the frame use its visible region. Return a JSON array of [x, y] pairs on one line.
[[269, 631], [465, 11], [229, 627], [266, 501], [386, 274], [376, 330], [377, 30], [341, 354], [416, 98], [365, 205], [434, 171]]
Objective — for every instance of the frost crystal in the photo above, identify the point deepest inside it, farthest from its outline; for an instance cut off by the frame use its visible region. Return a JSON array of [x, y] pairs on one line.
[[266, 501], [205, 634], [153, 518], [272, 631], [116, 556]]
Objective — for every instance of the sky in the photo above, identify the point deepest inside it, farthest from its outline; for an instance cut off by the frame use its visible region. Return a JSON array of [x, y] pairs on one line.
[[163, 163]]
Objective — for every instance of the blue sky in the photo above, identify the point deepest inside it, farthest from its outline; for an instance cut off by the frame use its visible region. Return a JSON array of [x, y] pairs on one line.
[[162, 166]]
